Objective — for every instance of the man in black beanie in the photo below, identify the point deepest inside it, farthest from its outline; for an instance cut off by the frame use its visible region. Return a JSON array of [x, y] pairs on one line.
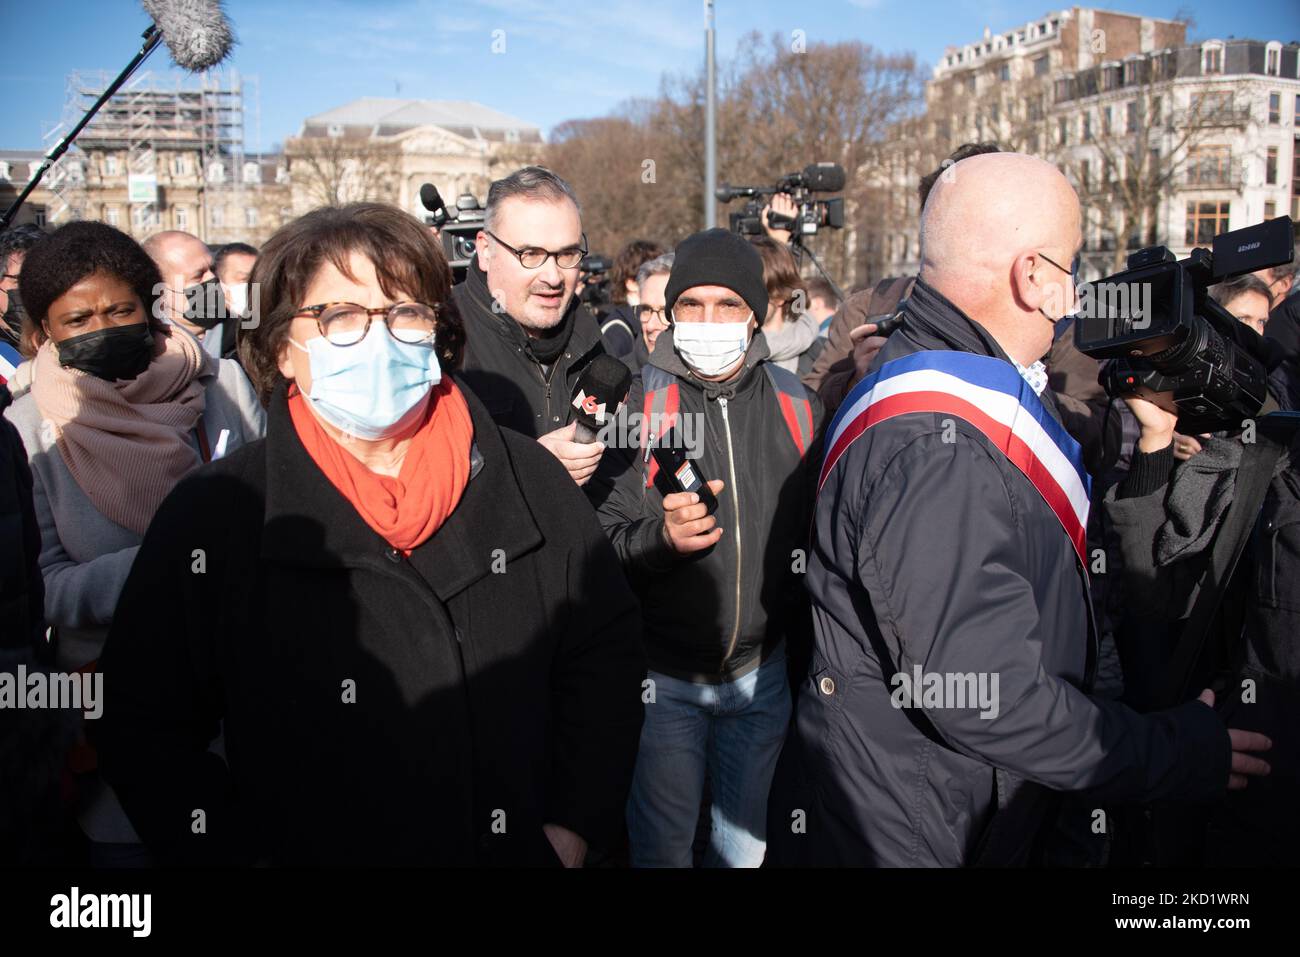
[[721, 592]]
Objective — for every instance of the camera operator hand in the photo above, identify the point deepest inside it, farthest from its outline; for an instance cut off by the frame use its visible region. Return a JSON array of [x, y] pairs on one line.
[[783, 205], [687, 525], [1243, 766], [1157, 424], [581, 460]]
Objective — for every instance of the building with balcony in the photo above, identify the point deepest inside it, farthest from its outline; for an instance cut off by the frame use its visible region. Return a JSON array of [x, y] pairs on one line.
[[1167, 141]]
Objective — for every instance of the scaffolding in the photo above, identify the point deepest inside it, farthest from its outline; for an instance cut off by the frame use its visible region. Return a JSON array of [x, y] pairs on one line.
[[152, 120]]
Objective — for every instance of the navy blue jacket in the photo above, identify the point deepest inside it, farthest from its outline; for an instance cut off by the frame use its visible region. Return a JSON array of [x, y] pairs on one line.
[[935, 550]]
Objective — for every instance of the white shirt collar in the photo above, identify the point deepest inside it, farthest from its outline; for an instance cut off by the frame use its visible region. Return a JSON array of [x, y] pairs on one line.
[[1035, 375]]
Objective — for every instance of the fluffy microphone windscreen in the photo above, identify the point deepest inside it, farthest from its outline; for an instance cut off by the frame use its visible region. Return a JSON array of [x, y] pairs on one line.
[[600, 390], [196, 31]]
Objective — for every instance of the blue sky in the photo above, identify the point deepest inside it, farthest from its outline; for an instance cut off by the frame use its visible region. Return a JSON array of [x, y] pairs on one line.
[[562, 59]]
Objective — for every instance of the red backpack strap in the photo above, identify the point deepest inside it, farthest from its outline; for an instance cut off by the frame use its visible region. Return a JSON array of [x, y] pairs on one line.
[[796, 409], [659, 413], [201, 434]]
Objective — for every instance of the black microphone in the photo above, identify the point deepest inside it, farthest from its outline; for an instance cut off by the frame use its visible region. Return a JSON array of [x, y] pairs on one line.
[[196, 32], [824, 177], [598, 395], [431, 199]]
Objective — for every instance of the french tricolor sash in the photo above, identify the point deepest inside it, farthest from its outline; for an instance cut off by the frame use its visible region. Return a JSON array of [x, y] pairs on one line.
[[990, 395]]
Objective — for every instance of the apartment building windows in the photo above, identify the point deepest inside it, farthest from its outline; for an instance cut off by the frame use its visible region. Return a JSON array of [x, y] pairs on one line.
[[1208, 165], [1273, 59], [1205, 220], [1212, 58]]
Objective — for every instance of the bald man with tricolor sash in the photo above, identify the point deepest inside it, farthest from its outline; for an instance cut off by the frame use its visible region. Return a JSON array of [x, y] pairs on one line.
[[949, 696]]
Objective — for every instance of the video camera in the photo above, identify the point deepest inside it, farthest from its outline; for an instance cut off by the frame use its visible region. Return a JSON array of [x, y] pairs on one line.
[[593, 273], [813, 214], [1167, 341], [457, 226]]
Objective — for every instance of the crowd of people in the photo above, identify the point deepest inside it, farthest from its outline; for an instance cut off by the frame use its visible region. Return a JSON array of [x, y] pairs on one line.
[[359, 590]]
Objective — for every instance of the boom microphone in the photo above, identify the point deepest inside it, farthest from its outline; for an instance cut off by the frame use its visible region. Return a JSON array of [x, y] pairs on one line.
[[598, 395], [196, 31], [198, 35]]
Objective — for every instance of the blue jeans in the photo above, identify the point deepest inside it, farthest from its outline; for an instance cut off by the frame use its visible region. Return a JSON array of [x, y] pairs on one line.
[[733, 731]]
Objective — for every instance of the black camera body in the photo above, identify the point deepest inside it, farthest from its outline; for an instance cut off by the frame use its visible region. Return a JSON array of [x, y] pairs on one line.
[[593, 273], [457, 226], [813, 214], [1166, 340]]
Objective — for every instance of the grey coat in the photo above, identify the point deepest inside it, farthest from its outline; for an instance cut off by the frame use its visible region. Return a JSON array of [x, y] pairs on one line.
[[85, 557]]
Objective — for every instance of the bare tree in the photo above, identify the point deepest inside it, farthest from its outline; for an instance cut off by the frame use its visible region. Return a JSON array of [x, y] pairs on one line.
[[781, 105], [629, 175], [333, 170], [1139, 145]]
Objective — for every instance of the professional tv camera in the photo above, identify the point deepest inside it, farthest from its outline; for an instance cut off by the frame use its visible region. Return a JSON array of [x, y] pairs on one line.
[[813, 213], [1168, 341], [457, 226]]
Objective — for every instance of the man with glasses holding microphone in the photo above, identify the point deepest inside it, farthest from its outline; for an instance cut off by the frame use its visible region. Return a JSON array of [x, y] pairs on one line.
[[528, 336]]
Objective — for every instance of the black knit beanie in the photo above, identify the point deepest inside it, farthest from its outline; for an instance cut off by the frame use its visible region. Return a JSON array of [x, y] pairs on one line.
[[718, 257]]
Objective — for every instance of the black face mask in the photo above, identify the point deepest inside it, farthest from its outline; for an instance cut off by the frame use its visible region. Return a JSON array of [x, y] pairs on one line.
[[205, 304], [112, 353]]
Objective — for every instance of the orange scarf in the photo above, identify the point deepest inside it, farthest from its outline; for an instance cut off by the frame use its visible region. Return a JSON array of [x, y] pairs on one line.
[[405, 510]]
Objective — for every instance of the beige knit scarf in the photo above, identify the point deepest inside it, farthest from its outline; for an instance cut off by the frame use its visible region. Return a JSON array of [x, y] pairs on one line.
[[126, 443]]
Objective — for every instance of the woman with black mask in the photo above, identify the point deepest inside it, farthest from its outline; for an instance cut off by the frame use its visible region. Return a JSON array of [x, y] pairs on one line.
[[121, 408]]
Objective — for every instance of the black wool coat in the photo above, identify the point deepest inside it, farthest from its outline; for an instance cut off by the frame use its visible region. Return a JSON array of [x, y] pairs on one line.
[[376, 709]]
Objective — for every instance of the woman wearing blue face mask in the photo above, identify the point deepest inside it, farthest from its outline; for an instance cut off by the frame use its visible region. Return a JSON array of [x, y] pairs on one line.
[[414, 635]]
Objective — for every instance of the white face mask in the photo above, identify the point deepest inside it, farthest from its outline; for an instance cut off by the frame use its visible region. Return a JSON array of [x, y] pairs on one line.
[[236, 299], [711, 348]]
